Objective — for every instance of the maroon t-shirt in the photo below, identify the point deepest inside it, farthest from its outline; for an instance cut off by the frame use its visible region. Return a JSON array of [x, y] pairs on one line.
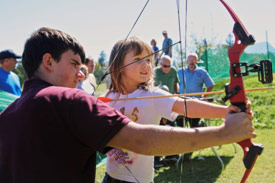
[[51, 134]]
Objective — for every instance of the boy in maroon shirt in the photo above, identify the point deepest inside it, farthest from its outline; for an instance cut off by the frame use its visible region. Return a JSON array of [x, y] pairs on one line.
[[53, 131]]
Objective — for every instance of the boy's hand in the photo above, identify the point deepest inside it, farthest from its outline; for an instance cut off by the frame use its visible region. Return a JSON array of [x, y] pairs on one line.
[[238, 127]]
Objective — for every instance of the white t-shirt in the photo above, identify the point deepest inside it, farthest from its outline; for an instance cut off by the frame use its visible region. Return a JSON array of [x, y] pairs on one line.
[[148, 111], [89, 84]]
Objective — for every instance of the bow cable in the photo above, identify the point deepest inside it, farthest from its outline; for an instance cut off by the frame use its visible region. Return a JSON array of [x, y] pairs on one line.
[[103, 77]]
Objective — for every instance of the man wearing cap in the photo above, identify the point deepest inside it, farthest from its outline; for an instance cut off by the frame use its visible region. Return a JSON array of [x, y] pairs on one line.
[[9, 81], [166, 44]]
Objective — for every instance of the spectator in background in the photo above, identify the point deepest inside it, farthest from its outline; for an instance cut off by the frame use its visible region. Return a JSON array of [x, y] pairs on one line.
[[195, 79], [167, 44], [84, 70], [89, 85], [9, 81], [155, 48], [167, 75]]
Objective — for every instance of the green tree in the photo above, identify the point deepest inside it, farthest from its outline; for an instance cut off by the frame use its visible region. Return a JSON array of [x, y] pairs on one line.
[[100, 67], [179, 57], [99, 71], [102, 58], [21, 73], [229, 42], [200, 45]]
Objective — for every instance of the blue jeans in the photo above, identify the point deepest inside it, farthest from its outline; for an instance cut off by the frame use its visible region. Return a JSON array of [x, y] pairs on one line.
[[108, 179]]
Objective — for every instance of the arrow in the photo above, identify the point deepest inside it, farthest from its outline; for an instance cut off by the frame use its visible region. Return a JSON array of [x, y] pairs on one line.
[[106, 99]]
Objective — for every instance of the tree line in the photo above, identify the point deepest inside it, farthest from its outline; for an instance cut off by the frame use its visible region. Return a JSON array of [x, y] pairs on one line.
[[212, 54]]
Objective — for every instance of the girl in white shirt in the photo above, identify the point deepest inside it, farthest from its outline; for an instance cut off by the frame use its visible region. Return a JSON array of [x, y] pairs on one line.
[[131, 67]]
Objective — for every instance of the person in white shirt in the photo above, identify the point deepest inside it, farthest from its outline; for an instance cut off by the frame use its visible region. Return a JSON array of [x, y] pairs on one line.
[[89, 85], [131, 72]]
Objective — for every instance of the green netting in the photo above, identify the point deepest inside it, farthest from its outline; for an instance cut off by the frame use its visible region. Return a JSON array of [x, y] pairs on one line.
[[100, 159], [216, 62], [5, 99]]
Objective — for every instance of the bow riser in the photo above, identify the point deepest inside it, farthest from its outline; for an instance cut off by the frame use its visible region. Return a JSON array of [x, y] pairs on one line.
[[234, 54]]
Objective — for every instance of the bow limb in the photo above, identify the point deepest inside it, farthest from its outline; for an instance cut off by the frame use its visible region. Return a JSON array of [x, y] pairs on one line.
[[242, 40]]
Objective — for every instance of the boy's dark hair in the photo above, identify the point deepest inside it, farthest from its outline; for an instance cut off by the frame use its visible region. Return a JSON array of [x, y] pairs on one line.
[[47, 40]]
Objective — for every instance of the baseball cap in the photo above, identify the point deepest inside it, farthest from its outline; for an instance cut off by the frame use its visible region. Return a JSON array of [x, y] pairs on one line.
[[164, 32], [8, 54]]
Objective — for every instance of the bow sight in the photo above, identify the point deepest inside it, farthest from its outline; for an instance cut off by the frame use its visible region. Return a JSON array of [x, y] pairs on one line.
[[264, 69]]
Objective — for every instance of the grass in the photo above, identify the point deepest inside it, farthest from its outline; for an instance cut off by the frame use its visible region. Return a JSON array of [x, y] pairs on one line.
[[209, 170], [263, 102], [101, 89]]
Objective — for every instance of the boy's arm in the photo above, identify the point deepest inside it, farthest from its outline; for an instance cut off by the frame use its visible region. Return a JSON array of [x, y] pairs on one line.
[[163, 140]]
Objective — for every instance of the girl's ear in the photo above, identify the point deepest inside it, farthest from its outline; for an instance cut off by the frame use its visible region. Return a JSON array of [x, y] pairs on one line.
[[47, 61]]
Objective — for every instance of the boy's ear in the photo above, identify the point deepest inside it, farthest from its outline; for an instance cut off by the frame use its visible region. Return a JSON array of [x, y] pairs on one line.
[[47, 61], [6, 61]]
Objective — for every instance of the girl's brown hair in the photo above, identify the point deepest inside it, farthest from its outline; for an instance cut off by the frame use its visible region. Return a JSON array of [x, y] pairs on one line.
[[119, 51]]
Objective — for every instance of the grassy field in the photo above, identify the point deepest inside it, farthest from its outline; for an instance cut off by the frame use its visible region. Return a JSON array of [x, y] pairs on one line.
[[209, 170], [263, 102]]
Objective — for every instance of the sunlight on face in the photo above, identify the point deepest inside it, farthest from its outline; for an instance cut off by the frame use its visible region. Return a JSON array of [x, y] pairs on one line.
[[192, 60], [138, 72], [67, 70], [166, 66]]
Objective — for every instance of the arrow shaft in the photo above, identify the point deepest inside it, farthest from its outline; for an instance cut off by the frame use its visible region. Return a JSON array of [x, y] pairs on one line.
[[188, 94]]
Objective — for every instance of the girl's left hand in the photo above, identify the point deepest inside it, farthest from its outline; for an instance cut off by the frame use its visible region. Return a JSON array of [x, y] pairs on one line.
[[234, 109]]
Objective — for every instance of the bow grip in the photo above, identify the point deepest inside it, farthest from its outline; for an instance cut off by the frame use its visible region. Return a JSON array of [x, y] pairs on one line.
[[241, 105]]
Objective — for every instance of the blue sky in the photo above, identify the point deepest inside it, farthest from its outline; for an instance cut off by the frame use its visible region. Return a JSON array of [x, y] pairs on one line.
[[98, 24]]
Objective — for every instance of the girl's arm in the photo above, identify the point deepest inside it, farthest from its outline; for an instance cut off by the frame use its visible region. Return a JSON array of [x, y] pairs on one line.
[[201, 109]]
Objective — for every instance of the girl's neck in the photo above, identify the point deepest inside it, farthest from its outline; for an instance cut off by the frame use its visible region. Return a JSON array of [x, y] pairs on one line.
[[129, 86], [128, 91]]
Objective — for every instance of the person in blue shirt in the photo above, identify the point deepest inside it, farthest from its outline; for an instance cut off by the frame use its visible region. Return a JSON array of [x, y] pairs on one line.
[[155, 49], [196, 78], [167, 44], [9, 81]]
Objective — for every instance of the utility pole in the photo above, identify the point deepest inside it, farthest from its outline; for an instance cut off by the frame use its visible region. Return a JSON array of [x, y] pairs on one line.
[[267, 48]]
